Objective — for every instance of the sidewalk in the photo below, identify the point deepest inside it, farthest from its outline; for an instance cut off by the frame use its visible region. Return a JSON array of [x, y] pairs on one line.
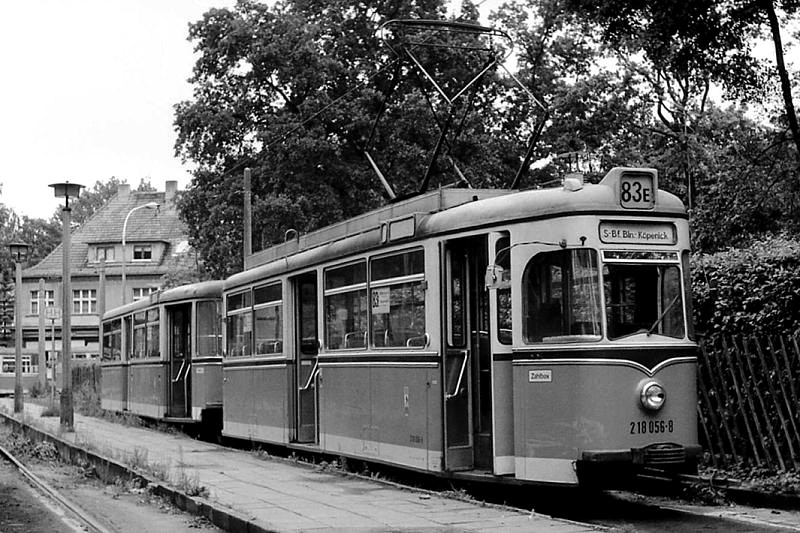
[[274, 495]]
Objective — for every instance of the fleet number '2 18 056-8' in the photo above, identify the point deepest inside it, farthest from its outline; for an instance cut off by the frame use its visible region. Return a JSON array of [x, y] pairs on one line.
[[642, 427]]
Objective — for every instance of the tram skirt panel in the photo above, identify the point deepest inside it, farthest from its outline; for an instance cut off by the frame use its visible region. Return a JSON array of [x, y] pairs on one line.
[[147, 390], [255, 403], [114, 383]]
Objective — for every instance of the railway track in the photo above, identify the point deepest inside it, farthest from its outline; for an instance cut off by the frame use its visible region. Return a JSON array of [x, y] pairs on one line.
[[73, 509]]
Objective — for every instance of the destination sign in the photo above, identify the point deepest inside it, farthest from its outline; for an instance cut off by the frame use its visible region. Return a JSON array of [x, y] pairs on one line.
[[638, 233]]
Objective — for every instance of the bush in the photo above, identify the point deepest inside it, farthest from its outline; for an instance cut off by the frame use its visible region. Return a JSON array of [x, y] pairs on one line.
[[749, 291], [36, 390], [86, 388]]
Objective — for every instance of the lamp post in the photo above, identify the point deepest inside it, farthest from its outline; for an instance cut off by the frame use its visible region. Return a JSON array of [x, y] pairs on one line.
[[148, 205], [19, 252], [66, 191]]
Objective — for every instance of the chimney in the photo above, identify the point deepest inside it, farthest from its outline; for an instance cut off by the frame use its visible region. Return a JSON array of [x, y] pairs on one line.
[[124, 190], [171, 188]]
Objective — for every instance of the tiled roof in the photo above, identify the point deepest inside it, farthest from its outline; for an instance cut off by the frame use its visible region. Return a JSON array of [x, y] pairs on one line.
[[105, 227]]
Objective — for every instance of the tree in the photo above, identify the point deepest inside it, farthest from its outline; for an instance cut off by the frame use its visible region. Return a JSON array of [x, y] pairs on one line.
[[42, 237], [690, 45], [600, 110], [265, 82]]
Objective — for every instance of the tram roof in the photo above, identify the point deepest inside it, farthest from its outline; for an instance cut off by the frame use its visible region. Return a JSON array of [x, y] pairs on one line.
[[202, 289], [446, 211]]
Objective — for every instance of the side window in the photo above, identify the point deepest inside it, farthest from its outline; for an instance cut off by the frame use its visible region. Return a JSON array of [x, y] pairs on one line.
[[268, 306], [397, 300], [456, 301], [145, 334], [239, 315], [346, 306], [503, 259], [112, 340], [139, 335], [153, 348], [209, 338], [128, 332]]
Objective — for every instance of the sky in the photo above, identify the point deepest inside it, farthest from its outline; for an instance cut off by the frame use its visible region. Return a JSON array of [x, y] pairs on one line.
[[87, 93]]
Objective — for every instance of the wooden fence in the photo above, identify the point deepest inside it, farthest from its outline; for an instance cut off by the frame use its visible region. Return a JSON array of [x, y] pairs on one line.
[[748, 401]]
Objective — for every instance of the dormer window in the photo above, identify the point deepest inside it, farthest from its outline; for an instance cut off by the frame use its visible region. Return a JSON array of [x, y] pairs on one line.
[[142, 252], [104, 253]]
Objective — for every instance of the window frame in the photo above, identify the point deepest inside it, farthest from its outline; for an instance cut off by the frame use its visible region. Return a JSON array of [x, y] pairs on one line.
[[112, 340], [268, 304], [402, 281], [245, 313], [150, 290], [49, 300], [354, 288], [565, 286], [663, 262], [86, 304], [105, 249], [142, 249]]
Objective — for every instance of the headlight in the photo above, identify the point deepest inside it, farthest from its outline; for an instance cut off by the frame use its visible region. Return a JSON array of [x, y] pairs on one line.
[[653, 396]]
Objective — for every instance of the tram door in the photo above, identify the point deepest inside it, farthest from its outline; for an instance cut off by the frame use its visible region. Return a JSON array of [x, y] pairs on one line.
[[467, 358], [307, 348], [180, 361]]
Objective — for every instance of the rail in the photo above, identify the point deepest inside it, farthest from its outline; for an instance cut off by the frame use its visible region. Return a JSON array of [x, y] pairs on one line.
[[52, 493]]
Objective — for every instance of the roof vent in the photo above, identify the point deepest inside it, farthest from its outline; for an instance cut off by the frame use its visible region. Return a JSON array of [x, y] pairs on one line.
[[573, 182]]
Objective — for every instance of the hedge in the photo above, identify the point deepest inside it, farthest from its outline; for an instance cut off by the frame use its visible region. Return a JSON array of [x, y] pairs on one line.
[[750, 291]]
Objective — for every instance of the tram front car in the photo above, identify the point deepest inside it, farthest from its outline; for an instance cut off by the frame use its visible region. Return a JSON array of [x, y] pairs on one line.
[[604, 367]]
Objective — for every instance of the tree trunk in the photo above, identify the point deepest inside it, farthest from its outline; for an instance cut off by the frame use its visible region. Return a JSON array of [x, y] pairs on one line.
[[786, 86]]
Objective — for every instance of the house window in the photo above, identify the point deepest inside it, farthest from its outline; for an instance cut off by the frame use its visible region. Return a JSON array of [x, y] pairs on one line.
[[142, 252], [84, 301], [104, 254], [49, 301], [143, 292]]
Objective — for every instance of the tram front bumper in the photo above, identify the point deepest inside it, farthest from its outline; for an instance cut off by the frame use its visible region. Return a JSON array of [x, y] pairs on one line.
[[662, 455]]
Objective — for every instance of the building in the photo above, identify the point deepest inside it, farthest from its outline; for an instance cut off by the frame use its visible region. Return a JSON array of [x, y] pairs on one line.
[[156, 242]]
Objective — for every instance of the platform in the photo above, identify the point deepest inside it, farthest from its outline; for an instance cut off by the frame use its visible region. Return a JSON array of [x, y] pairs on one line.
[[279, 495]]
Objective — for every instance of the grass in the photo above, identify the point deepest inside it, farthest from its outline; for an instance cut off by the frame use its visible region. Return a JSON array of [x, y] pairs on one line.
[[190, 483], [51, 409]]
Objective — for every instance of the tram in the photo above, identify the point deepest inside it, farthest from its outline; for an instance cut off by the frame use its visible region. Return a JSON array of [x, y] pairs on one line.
[[29, 375], [538, 336], [162, 355]]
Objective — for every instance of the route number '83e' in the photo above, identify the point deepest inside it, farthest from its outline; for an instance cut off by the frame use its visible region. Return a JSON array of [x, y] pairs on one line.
[[637, 191]]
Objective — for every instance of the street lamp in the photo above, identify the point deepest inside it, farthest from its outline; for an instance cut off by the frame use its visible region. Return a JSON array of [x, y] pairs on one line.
[[148, 205], [19, 253], [66, 191]]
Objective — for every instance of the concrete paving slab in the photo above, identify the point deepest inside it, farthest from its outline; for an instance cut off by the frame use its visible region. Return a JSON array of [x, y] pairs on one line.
[[275, 495]]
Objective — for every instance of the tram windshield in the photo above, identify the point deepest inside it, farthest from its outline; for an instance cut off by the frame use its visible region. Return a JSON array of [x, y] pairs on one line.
[[561, 297], [562, 302], [643, 298]]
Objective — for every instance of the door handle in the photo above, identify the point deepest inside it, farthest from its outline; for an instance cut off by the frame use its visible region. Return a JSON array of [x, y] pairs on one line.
[[457, 391], [178, 375], [311, 376], [188, 368]]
